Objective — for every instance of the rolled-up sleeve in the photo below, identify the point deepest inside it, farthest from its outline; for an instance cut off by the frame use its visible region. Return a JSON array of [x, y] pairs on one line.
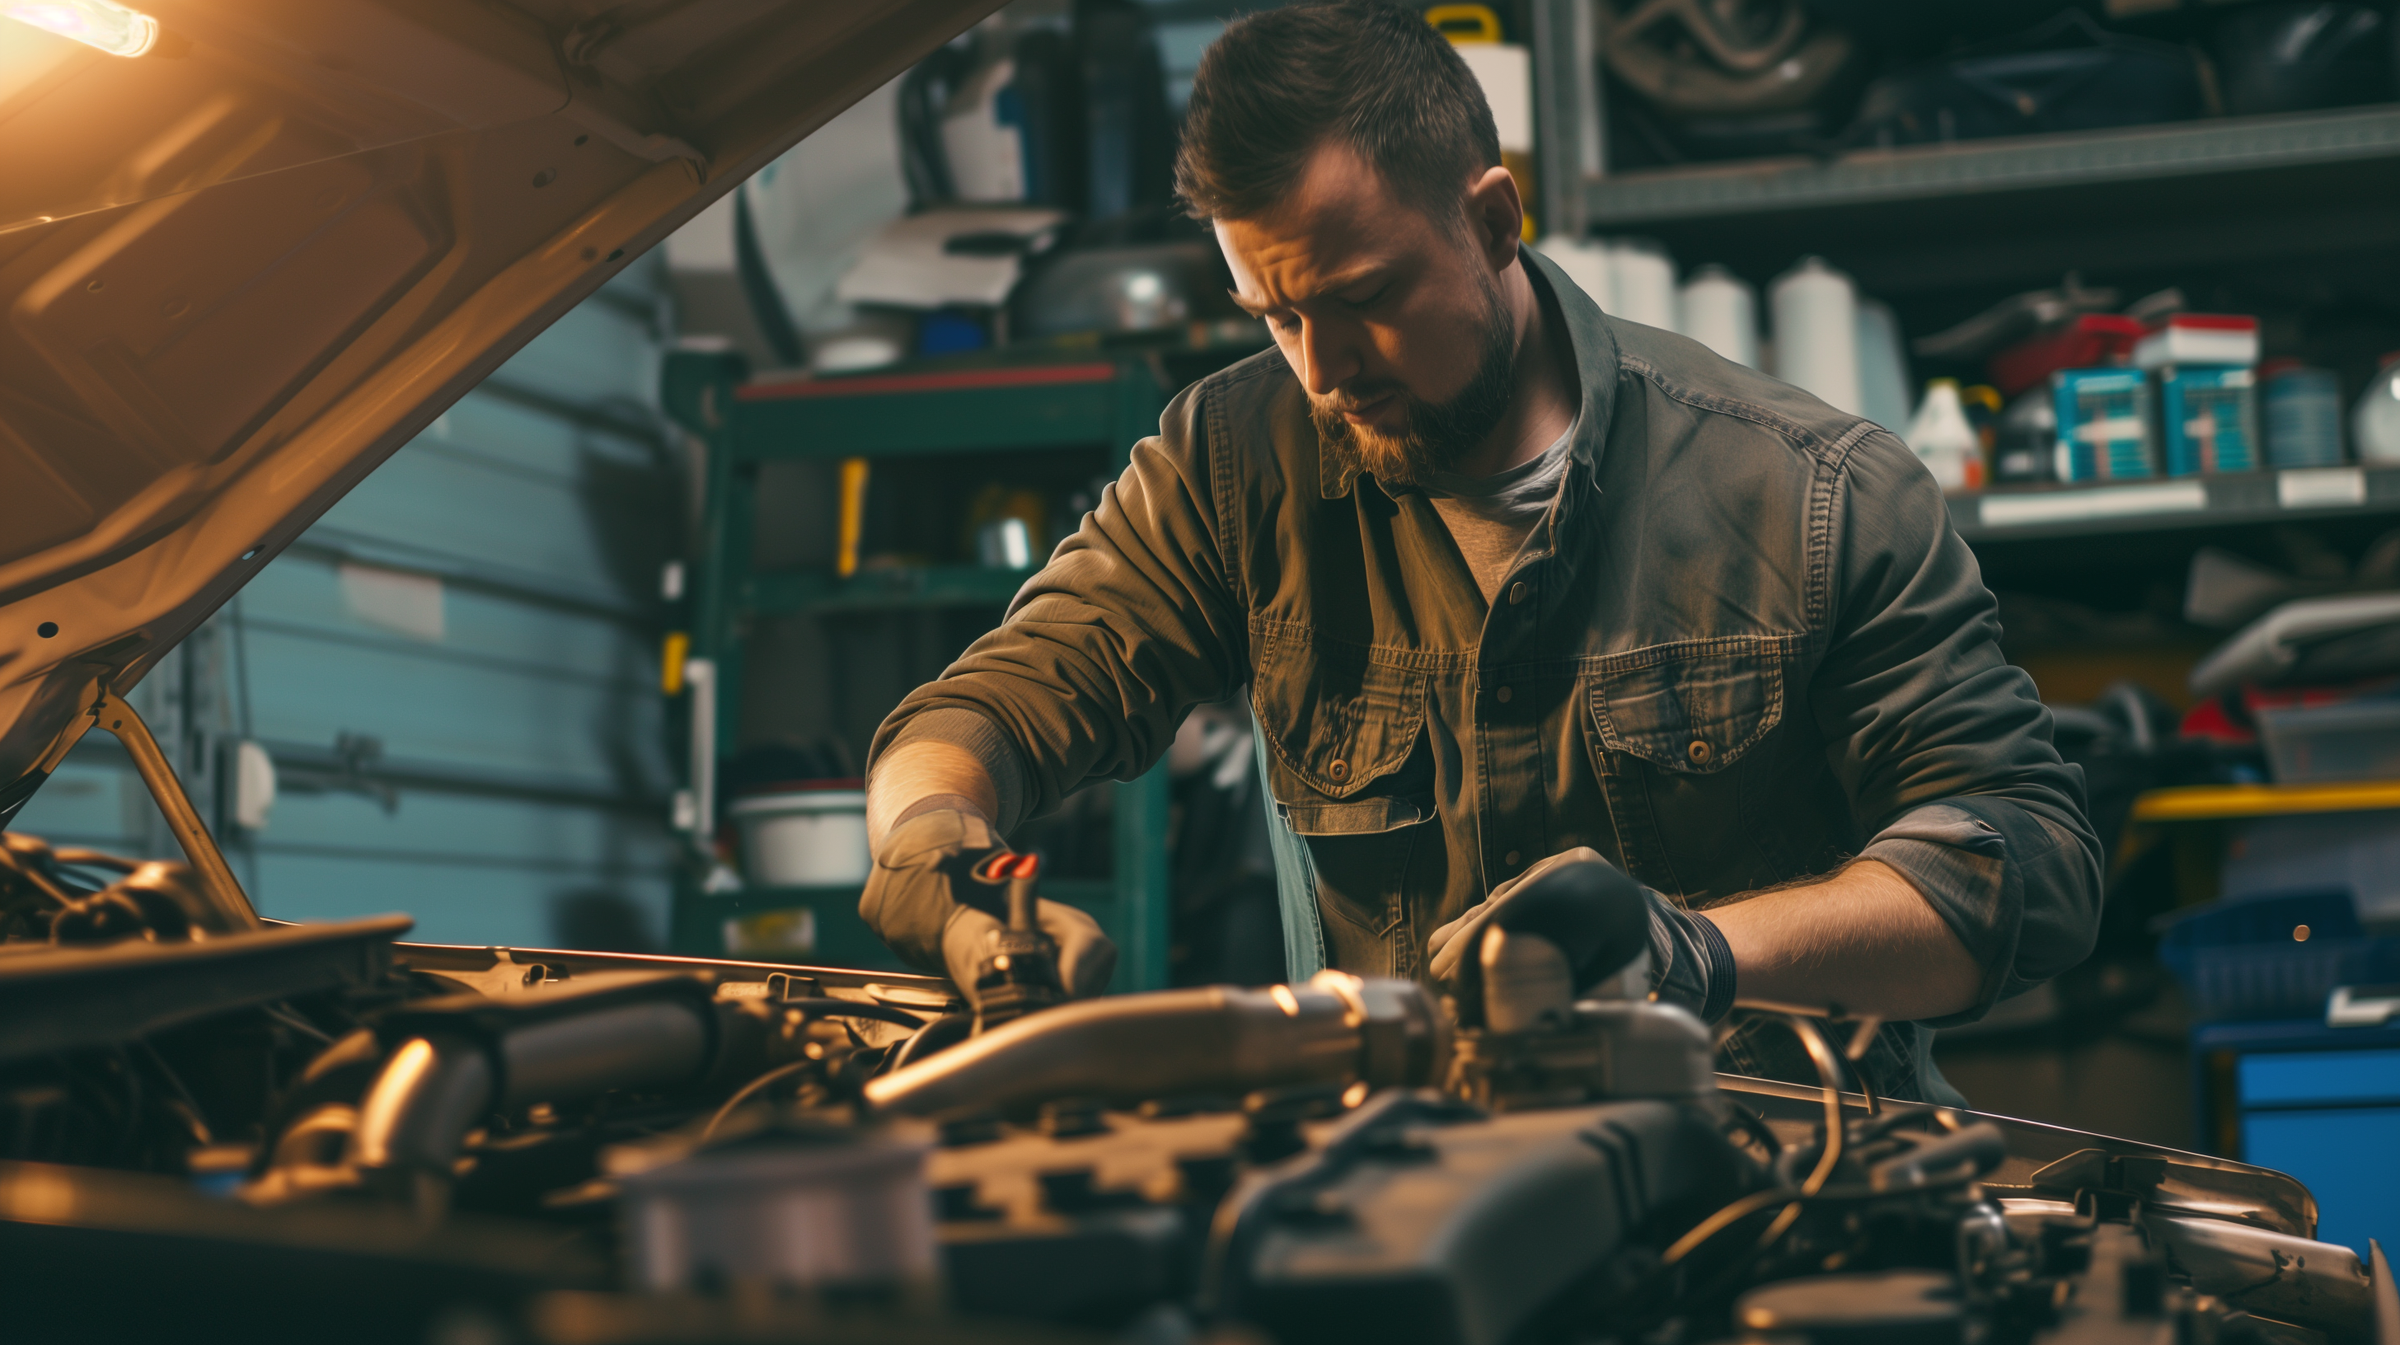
[[1944, 747], [1130, 624]]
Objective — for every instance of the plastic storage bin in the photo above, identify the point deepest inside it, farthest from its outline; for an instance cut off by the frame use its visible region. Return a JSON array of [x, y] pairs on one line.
[[2273, 957], [2317, 744]]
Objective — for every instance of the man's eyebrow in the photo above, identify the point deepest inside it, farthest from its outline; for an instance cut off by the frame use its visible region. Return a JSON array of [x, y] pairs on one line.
[[1335, 285]]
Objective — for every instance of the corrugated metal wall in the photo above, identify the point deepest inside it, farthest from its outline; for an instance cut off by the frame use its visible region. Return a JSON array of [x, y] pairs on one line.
[[455, 670]]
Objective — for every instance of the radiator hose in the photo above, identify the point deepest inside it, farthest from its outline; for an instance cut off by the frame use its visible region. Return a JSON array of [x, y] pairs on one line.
[[1212, 1040]]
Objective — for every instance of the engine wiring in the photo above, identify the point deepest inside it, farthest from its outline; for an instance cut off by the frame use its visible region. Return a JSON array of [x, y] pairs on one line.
[[748, 1091], [1829, 1077]]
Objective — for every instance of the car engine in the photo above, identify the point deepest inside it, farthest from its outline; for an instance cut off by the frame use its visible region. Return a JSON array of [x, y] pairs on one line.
[[212, 1125]]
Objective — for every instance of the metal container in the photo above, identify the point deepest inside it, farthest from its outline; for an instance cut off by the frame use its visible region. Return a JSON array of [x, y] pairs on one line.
[[798, 1212], [2302, 408]]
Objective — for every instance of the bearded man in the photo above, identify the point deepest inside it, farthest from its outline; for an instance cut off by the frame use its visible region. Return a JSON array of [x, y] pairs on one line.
[[1510, 581]]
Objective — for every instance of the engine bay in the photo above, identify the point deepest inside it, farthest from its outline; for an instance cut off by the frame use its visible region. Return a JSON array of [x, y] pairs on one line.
[[321, 1132]]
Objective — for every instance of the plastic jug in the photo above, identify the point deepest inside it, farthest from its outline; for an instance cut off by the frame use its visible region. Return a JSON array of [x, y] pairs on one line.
[[2375, 421], [1945, 440]]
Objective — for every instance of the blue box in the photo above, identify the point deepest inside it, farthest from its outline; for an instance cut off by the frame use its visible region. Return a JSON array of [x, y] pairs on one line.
[[2318, 1104], [2104, 429], [2208, 419]]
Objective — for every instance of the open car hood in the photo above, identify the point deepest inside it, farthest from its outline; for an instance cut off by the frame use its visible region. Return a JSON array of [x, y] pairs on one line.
[[238, 271]]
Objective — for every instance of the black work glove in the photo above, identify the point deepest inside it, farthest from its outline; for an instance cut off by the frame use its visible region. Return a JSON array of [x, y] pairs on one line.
[[1602, 920], [923, 899]]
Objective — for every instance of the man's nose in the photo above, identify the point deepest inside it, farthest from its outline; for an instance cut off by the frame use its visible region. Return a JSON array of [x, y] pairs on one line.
[[1327, 360]]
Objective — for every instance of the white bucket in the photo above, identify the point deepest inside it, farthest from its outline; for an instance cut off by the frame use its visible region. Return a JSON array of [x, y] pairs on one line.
[[804, 838]]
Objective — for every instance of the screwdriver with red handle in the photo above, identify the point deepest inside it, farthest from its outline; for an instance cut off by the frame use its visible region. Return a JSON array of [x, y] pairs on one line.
[[1021, 974]]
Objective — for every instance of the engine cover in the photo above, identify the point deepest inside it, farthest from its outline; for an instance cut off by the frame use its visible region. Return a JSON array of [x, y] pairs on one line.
[[1423, 1220]]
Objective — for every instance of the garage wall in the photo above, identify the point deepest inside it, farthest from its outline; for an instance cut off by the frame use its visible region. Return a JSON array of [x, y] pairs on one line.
[[455, 671]]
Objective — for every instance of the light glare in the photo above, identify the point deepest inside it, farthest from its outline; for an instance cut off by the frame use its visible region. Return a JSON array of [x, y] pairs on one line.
[[96, 23]]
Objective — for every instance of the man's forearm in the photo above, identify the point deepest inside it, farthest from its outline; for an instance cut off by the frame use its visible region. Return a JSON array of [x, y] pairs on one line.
[[1863, 938], [914, 771]]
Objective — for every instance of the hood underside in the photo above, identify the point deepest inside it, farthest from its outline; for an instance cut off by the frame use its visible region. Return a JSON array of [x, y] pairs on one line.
[[238, 272]]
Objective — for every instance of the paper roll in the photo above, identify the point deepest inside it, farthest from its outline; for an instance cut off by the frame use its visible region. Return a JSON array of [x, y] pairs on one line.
[[1643, 277], [1720, 311], [1816, 333], [1587, 265]]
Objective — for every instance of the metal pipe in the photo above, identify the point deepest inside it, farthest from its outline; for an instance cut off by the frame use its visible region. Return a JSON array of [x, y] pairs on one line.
[[1210, 1040], [470, 1058], [224, 892], [2319, 1285]]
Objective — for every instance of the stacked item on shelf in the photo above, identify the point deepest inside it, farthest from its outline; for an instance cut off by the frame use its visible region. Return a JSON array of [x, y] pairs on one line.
[[1030, 169], [1690, 81], [1504, 71], [1824, 336], [2318, 681], [2066, 74], [2155, 391], [1709, 81], [2312, 670]]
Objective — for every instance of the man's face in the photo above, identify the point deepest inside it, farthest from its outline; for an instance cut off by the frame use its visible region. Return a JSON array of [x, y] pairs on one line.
[[1392, 319]]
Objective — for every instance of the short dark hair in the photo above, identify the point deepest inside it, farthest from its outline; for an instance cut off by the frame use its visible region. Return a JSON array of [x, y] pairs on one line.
[[1361, 73]]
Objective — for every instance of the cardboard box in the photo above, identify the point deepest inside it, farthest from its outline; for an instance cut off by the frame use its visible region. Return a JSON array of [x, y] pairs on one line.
[[2208, 419], [2104, 429], [2199, 338]]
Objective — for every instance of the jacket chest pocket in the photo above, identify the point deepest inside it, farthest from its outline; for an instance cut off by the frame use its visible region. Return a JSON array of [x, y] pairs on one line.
[[1694, 707], [1341, 724], [1674, 730]]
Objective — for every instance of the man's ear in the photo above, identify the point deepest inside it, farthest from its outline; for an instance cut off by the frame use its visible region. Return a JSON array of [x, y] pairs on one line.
[[1495, 216]]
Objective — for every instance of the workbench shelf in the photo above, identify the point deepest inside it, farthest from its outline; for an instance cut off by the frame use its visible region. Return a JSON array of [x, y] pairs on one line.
[[2295, 495], [909, 588], [1019, 416], [1641, 198]]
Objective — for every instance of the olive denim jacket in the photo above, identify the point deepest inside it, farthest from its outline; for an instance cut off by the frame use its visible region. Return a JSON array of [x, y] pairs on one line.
[[1744, 644]]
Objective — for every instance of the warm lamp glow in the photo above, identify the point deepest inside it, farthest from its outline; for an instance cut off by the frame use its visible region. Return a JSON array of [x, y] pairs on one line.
[[96, 23]]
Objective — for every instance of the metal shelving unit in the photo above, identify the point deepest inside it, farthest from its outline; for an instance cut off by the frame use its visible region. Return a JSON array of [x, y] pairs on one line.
[[1087, 404], [2294, 495], [904, 589], [1862, 177]]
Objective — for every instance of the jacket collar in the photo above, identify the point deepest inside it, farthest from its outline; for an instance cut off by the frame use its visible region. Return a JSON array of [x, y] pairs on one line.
[[1595, 349]]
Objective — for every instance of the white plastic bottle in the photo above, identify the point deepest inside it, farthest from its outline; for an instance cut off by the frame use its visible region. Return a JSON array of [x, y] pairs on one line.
[[1721, 312], [1643, 276], [2375, 421], [1945, 441], [1587, 265], [1816, 333]]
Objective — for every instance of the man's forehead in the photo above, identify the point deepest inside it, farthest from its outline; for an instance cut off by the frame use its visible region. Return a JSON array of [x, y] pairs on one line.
[[1339, 220]]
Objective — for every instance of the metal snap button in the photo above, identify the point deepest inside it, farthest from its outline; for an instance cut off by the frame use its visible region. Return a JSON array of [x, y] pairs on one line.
[[1516, 593], [1512, 858], [1339, 770], [1504, 694], [1699, 752]]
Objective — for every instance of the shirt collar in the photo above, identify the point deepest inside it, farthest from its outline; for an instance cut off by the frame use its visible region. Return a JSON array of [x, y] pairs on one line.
[[1595, 352]]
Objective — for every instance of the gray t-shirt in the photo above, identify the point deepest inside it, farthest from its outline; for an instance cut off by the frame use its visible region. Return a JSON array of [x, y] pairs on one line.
[[1491, 516]]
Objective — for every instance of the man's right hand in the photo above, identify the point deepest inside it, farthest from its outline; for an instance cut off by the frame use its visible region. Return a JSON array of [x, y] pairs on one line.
[[924, 899]]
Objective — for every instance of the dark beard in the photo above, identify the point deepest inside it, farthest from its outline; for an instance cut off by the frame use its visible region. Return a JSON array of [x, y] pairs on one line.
[[1434, 437]]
